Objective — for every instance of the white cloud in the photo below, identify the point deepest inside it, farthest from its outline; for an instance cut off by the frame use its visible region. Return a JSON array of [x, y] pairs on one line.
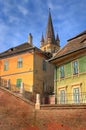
[[23, 9], [54, 6], [13, 19], [3, 35], [24, 16]]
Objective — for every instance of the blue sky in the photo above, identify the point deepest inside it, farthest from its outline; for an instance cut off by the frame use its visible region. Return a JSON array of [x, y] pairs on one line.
[[18, 18]]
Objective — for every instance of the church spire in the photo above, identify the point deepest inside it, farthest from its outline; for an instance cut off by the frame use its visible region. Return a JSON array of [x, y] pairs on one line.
[[50, 37], [42, 40], [49, 43], [57, 40]]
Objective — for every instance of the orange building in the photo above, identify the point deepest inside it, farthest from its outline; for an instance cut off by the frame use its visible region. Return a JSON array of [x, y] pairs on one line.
[[27, 65]]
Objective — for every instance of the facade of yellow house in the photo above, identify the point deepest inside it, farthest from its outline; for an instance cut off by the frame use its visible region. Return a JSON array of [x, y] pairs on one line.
[[18, 68], [26, 65], [70, 71]]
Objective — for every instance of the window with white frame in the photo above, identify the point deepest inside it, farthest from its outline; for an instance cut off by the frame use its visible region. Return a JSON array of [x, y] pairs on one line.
[[75, 67], [6, 65], [76, 95], [20, 62], [62, 96], [62, 75]]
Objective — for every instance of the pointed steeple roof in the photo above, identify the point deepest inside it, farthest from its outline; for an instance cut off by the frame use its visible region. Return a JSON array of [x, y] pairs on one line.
[[57, 38], [50, 30], [42, 40]]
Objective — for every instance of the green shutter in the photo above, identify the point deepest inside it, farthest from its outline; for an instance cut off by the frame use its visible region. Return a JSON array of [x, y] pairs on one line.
[[18, 82], [57, 73], [82, 64], [68, 70]]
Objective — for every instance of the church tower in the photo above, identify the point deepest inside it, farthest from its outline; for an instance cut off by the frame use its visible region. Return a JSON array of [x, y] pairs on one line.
[[50, 43]]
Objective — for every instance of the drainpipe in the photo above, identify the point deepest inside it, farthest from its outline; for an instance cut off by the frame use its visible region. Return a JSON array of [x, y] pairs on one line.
[[34, 72], [55, 83]]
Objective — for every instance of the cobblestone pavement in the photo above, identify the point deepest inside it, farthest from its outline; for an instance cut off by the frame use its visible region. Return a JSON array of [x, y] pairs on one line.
[[16, 114]]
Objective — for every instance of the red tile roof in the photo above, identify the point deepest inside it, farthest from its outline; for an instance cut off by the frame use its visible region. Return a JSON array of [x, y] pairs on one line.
[[23, 48], [74, 44]]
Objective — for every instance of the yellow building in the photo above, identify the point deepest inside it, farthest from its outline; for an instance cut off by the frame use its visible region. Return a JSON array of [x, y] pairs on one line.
[[70, 71], [26, 65]]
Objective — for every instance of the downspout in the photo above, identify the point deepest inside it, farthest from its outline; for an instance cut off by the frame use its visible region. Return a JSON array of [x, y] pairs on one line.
[[34, 71], [55, 83]]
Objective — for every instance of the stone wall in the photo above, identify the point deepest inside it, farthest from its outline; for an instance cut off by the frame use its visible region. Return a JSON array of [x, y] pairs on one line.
[[17, 113]]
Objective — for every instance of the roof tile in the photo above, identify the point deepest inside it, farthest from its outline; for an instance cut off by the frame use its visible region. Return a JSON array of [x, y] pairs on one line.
[[74, 44]]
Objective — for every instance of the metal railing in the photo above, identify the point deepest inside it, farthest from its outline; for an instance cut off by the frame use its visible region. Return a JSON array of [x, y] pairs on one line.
[[13, 88], [70, 98]]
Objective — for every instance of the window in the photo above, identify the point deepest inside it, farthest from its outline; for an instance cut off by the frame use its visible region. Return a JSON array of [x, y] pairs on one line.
[[20, 63], [44, 65], [62, 72], [62, 96], [44, 87], [18, 82], [76, 95], [75, 67], [5, 65]]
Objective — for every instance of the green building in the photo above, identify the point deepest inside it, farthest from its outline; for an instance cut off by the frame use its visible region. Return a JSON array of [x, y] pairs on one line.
[[70, 71]]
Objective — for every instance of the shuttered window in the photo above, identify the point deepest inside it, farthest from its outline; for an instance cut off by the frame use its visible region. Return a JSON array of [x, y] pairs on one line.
[[18, 82]]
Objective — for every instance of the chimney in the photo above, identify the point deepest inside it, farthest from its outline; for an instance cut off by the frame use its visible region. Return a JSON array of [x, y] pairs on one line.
[[30, 38]]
